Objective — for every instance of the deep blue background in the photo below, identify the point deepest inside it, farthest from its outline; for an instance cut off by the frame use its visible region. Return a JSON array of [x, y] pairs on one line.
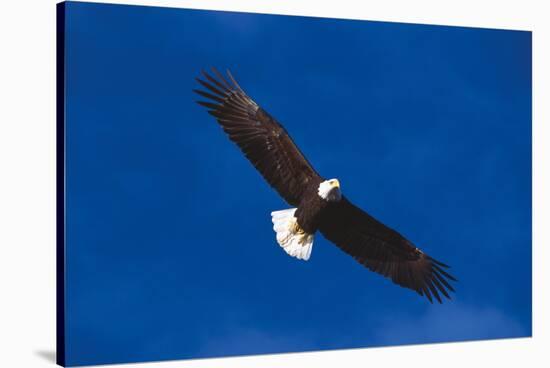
[[170, 251]]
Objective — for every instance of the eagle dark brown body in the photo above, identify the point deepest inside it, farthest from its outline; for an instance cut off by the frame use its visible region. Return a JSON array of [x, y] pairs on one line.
[[318, 204], [310, 211]]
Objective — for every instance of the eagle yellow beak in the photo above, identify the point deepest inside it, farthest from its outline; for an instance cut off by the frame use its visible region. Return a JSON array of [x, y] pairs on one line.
[[335, 183]]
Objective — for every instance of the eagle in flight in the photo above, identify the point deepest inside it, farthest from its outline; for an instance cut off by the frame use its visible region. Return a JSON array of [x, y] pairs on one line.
[[318, 204]]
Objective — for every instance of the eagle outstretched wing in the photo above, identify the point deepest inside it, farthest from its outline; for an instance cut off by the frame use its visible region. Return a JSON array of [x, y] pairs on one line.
[[385, 251], [259, 136]]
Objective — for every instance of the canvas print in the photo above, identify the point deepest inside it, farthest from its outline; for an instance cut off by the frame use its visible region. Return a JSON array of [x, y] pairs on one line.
[[236, 183]]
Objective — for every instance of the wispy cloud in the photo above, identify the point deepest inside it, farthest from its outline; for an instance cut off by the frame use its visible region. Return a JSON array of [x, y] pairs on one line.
[[243, 341], [450, 322]]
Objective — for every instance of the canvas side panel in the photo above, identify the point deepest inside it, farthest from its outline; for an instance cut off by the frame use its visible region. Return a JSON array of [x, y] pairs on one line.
[[60, 184]]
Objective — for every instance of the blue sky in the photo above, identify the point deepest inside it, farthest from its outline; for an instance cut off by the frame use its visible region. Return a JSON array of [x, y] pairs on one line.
[[170, 251]]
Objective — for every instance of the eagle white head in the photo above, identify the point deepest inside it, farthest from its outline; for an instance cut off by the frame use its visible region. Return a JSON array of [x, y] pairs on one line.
[[329, 190]]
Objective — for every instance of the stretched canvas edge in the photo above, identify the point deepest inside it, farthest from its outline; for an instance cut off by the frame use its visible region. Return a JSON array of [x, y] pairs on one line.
[[60, 184]]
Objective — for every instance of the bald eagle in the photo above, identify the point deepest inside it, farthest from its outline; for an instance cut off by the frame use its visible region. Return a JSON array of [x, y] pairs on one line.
[[317, 204]]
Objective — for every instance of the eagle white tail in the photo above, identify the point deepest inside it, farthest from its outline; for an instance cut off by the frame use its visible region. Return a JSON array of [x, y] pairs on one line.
[[295, 241]]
